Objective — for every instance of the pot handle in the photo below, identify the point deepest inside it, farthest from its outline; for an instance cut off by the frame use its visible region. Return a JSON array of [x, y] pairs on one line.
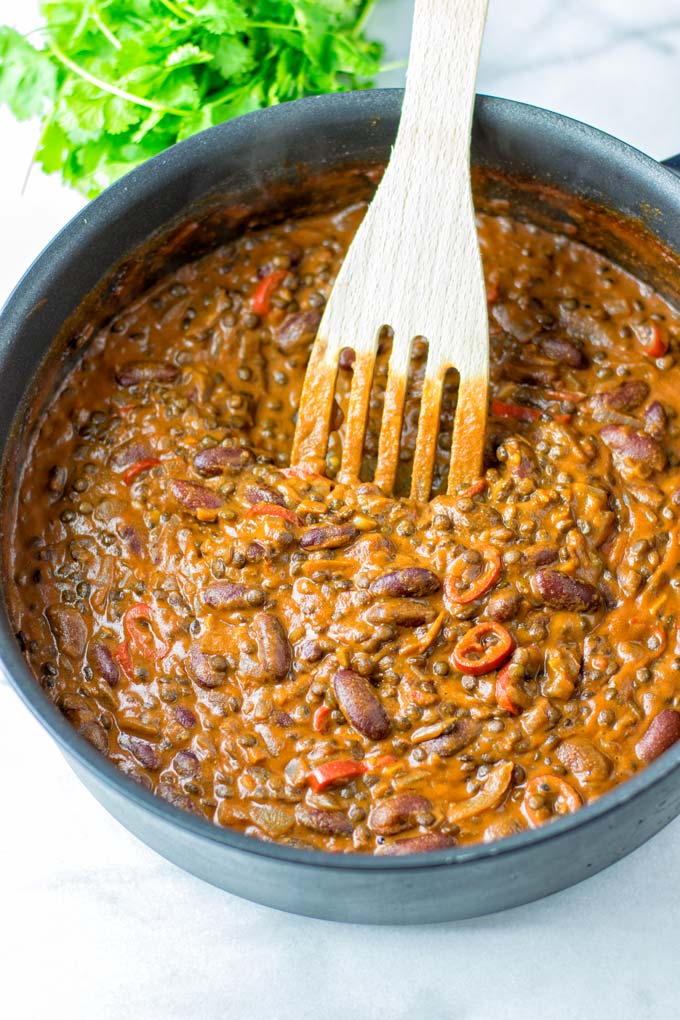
[[673, 163]]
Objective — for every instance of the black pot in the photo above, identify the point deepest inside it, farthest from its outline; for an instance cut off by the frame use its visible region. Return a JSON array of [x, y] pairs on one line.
[[257, 154]]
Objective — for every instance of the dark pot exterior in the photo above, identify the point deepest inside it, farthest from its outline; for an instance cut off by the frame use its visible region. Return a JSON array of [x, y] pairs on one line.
[[261, 150]]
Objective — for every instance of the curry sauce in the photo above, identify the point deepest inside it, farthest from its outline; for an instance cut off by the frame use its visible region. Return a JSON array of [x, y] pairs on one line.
[[313, 661]]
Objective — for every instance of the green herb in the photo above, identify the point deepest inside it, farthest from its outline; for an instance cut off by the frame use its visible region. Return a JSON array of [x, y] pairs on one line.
[[118, 81]]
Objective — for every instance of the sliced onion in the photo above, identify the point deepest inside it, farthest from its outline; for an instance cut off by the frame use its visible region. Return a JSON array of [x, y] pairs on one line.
[[494, 787]]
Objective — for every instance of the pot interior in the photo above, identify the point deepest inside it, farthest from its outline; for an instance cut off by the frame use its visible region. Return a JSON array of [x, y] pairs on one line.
[[624, 224]]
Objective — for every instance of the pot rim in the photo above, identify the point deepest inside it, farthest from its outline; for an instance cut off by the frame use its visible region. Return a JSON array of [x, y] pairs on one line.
[[137, 185]]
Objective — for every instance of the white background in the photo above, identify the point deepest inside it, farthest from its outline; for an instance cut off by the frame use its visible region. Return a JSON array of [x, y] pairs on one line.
[[93, 924]]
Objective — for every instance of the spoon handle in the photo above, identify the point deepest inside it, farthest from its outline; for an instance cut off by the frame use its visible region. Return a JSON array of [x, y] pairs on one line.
[[436, 118]]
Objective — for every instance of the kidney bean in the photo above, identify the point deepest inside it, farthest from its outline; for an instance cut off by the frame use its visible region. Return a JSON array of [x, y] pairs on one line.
[[255, 552], [328, 536], [69, 629], [503, 604], [194, 496], [395, 814], [625, 397], [558, 349], [136, 372], [280, 718], [177, 798], [662, 733], [560, 591], [360, 705], [273, 648], [95, 733], [132, 538], [584, 760], [262, 493], [639, 449], [296, 330], [185, 717], [454, 739], [145, 753], [201, 670], [399, 613], [501, 829], [337, 416], [655, 420], [331, 823], [370, 548], [56, 481], [526, 468], [533, 375], [221, 460], [130, 453], [310, 651], [407, 581], [347, 358], [186, 763], [104, 662], [226, 595], [539, 555], [422, 844]]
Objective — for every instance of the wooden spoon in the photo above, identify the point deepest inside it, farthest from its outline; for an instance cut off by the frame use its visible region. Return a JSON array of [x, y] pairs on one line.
[[414, 265]]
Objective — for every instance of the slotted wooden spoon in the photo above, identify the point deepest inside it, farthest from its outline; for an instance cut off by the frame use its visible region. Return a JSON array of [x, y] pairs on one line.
[[414, 265]]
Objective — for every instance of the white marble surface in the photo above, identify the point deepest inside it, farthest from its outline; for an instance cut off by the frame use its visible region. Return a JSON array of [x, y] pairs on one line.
[[95, 925]]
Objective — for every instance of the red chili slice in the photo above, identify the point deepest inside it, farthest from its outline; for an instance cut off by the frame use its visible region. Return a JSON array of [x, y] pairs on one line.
[[475, 489], [141, 637], [518, 412], [137, 468], [121, 654], [558, 797], [273, 510], [474, 655], [335, 772], [657, 344], [493, 291], [383, 761], [304, 472], [481, 584], [506, 692], [320, 718], [260, 301]]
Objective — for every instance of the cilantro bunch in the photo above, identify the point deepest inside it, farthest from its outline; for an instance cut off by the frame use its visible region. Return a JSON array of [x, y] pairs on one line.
[[118, 81]]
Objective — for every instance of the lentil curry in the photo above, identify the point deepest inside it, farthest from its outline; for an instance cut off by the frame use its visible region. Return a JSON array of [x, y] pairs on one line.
[[309, 661]]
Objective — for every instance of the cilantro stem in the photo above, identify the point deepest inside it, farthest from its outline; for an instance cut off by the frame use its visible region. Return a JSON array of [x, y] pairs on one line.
[[275, 26], [363, 17], [114, 90], [177, 11], [105, 30], [227, 94], [392, 65]]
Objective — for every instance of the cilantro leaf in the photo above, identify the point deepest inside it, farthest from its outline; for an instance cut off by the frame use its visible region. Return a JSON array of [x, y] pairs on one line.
[[118, 81], [28, 78]]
